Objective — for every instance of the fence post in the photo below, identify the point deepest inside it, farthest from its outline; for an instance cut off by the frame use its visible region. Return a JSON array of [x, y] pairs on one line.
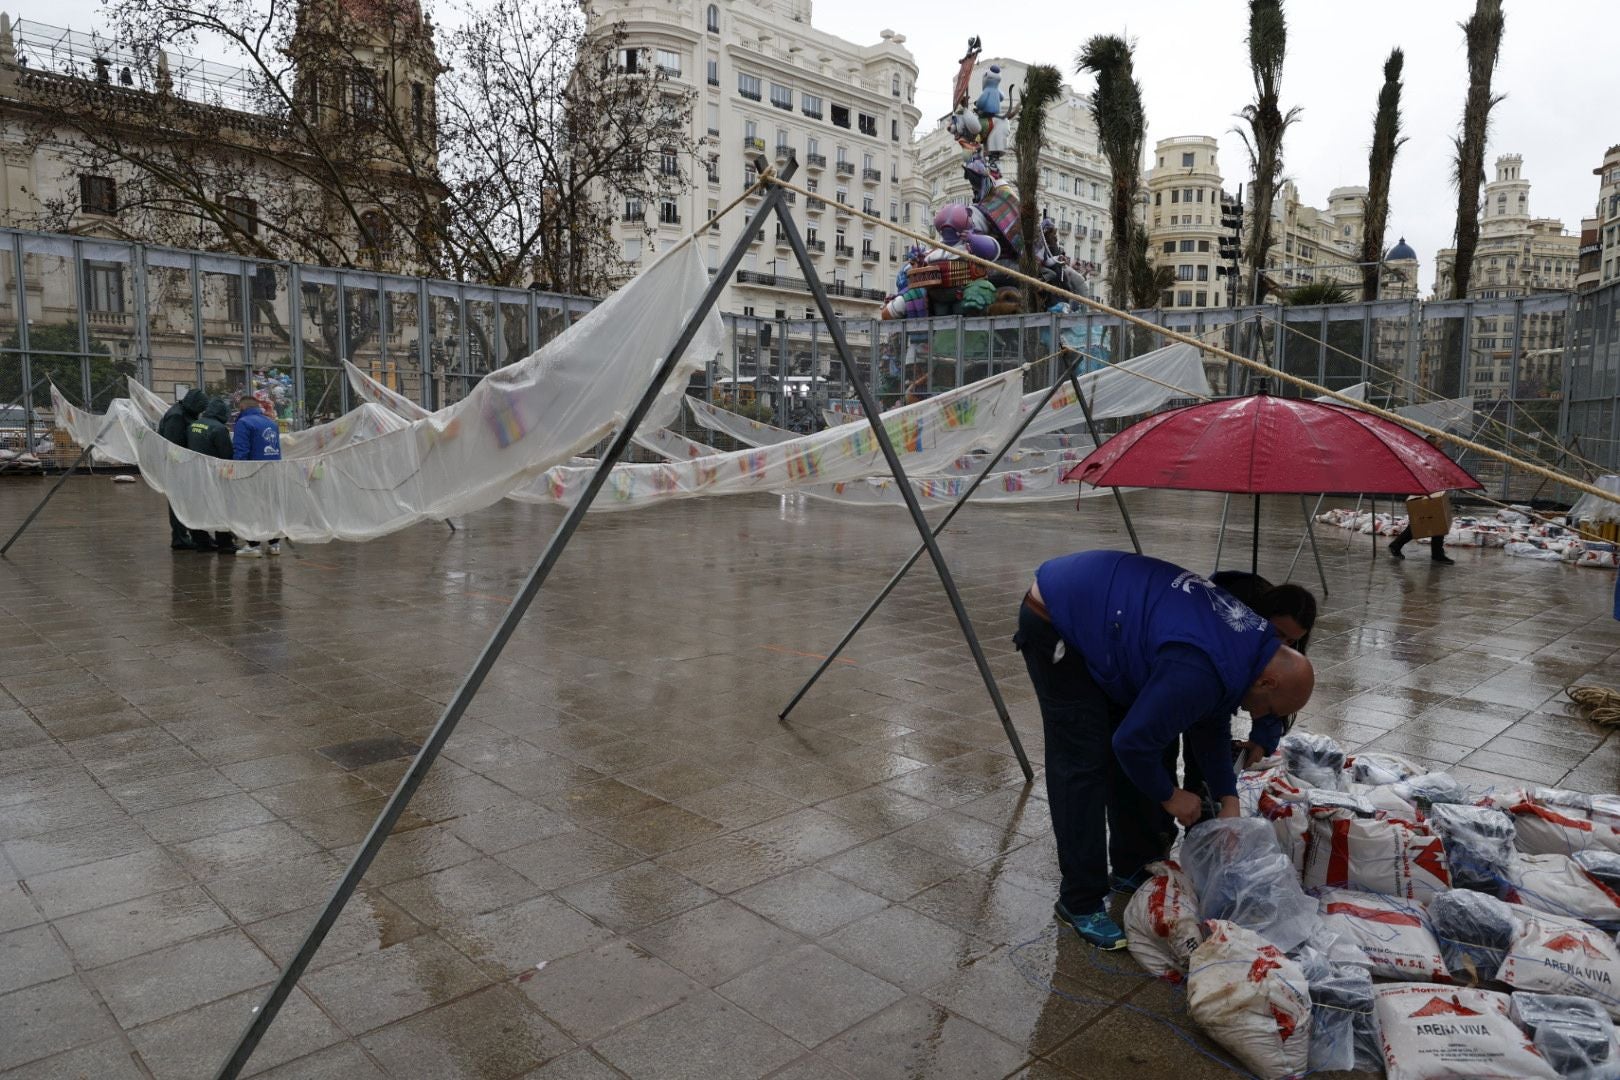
[[197, 323], [26, 362], [82, 292], [295, 331], [143, 328]]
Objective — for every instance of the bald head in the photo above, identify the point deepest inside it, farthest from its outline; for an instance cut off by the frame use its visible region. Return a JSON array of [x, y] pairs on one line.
[[1283, 687]]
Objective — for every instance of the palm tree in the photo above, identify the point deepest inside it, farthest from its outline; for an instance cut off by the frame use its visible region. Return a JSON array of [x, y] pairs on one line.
[[1043, 84], [1116, 108], [1317, 293], [1148, 280], [1386, 142], [1484, 35], [1267, 123]]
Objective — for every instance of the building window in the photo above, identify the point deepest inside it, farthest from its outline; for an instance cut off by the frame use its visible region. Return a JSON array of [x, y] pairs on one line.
[[1186, 161], [810, 105], [242, 213], [782, 144], [894, 86], [669, 62], [840, 116], [894, 209], [714, 19], [668, 212], [713, 166], [1169, 247], [632, 249], [867, 205], [1184, 298], [1184, 273], [894, 131], [714, 118], [104, 286], [363, 88], [782, 97], [375, 235], [1167, 298], [98, 195], [1200, 194], [633, 210], [1158, 198], [1202, 298], [1094, 193], [1186, 245], [714, 71], [868, 125], [1175, 195], [418, 109], [668, 163], [748, 86], [1203, 275]]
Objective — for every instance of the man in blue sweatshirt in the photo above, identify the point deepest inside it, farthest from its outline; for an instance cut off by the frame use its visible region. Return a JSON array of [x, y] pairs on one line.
[[1128, 655], [256, 438]]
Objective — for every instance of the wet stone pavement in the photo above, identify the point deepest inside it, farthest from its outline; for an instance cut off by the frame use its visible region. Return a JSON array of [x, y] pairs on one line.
[[624, 865]]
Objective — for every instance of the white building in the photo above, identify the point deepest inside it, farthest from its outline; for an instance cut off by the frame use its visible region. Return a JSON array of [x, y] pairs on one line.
[[1074, 175], [1183, 220], [1311, 245], [765, 82], [1608, 217]]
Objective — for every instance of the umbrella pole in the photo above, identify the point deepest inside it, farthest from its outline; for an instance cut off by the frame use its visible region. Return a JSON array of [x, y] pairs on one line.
[[1254, 550], [1220, 537], [1350, 534]]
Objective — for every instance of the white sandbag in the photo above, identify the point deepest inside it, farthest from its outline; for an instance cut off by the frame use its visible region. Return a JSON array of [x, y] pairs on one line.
[[1561, 886], [1394, 934], [1161, 921], [1574, 1034], [1316, 760], [1478, 842], [1348, 845], [1282, 800], [1251, 999], [1545, 824], [1558, 955], [1372, 767], [1433, 1032]]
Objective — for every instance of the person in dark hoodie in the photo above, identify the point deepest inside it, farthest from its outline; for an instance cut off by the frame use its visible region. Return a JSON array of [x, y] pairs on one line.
[[174, 427], [209, 435]]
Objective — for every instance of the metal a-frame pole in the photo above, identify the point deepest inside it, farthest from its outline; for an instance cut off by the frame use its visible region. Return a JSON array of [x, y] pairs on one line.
[[835, 330], [1067, 374], [1097, 440], [71, 469], [899, 575], [453, 712]]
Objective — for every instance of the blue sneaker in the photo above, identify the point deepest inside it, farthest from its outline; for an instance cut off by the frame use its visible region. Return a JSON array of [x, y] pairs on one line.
[[1125, 886], [1096, 928]]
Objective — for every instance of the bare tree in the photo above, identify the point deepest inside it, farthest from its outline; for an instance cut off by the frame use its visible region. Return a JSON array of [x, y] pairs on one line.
[[1386, 143], [1267, 124], [550, 132]]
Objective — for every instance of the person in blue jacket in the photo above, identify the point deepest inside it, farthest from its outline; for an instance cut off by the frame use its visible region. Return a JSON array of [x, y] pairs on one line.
[[256, 438], [1127, 655]]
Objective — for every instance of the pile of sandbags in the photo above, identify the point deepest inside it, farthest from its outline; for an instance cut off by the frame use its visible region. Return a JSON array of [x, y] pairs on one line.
[[1364, 914], [1514, 531]]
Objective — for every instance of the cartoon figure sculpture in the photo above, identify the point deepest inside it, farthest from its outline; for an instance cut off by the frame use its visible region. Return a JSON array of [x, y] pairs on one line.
[[989, 107]]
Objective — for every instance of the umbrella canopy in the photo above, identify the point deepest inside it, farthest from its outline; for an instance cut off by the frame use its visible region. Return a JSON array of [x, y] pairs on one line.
[[1268, 445]]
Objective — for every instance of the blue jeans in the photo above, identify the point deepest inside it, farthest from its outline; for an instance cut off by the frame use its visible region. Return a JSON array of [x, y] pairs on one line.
[[1099, 818]]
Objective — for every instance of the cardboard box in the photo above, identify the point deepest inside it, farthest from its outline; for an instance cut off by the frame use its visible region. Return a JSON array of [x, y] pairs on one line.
[[1430, 514]]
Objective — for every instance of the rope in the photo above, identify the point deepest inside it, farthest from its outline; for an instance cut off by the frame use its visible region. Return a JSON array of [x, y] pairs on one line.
[[1254, 365], [1598, 704]]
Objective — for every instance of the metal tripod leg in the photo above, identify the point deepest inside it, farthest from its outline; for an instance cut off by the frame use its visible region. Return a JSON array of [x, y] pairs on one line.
[[1091, 425], [835, 330], [486, 660], [1309, 534], [71, 469], [899, 575]]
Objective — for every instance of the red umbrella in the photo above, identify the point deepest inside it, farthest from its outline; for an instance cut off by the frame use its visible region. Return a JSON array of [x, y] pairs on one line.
[[1266, 445]]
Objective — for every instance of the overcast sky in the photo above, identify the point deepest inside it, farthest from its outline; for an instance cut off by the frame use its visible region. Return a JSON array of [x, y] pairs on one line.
[[1561, 87], [1192, 62]]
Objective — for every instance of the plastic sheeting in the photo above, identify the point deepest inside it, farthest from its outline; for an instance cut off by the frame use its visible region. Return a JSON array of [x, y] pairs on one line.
[[1043, 484], [512, 426], [746, 431], [1591, 508], [927, 435], [357, 425]]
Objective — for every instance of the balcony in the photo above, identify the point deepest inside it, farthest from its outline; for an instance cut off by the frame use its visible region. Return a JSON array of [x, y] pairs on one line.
[[815, 244], [869, 255], [1096, 234], [751, 95], [846, 168], [1065, 228], [781, 239], [783, 150], [815, 161], [843, 251], [813, 203], [753, 142], [872, 176], [814, 114]]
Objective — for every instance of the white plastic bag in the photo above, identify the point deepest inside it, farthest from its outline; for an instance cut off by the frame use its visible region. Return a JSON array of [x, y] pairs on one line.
[[1251, 999], [1395, 934], [1161, 921], [1434, 1032], [1557, 955], [1372, 767], [1478, 842], [1315, 760], [1574, 1034]]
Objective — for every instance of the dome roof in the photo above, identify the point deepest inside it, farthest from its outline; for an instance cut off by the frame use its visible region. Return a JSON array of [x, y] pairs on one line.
[[1401, 252]]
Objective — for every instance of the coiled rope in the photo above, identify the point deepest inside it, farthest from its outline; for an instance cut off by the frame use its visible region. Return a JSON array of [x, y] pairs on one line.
[[1598, 704]]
